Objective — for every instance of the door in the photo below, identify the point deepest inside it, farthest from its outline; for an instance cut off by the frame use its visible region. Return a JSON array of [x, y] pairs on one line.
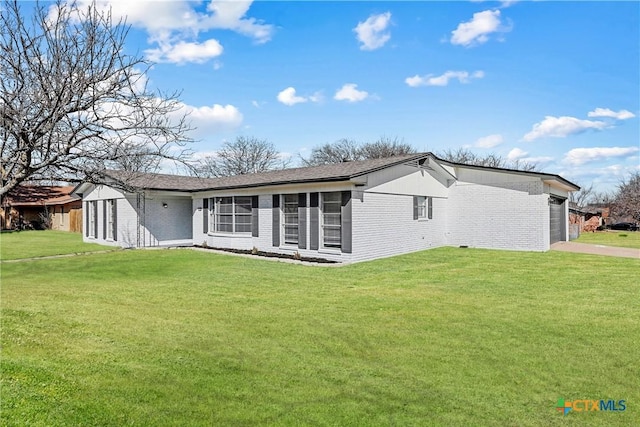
[[556, 220]]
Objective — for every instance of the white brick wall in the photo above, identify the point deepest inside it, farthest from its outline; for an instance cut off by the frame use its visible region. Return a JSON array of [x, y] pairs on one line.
[[383, 225], [159, 225], [502, 216], [482, 209]]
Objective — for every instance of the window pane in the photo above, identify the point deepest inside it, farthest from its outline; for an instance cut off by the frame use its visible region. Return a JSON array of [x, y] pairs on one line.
[[331, 208], [224, 205], [331, 219], [224, 223], [422, 207], [243, 228], [243, 205], [332, 237], [224, 228], [332, 197]]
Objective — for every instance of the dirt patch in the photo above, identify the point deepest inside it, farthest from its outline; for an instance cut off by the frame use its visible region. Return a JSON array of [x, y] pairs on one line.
[[270, 255]]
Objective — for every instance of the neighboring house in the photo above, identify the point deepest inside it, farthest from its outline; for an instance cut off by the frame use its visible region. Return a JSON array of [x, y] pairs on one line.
[[588, 218], [345, 212], [39, 207]]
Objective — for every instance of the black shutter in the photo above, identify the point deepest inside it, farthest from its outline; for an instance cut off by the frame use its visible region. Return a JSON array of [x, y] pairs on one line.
[[314, 221], [95, 219], [275, 220], [86, 219], [254, 216], [205, 216], [346, 222], [302, 220], [115, 220], [415, 207], [430, 208], [104, 219]]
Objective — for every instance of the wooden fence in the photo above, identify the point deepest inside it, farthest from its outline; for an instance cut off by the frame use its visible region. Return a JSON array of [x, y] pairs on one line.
[[75, 220]]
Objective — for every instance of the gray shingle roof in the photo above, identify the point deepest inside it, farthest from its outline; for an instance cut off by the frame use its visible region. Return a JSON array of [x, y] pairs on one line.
[[325, 173]]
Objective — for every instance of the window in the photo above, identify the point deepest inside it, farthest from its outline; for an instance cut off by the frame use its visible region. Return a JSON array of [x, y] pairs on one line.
[[110, 214], [290, 218], [61, 216], [232, 214], [92, 226], [242, 217], [331, 219], [422, 207]]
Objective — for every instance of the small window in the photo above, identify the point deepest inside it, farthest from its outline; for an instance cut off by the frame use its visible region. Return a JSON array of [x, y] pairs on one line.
[[224, 214], [422, 207], [242, 215], [331, 220], [110, 219], [93, 219], [290, 218]]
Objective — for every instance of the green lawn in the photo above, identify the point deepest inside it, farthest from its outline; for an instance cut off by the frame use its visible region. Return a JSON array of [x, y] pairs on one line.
[[625, 239], [28, 244], [443, 337]]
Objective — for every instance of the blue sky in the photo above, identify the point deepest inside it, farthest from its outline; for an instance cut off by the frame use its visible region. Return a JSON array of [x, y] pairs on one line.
[[557, 83]]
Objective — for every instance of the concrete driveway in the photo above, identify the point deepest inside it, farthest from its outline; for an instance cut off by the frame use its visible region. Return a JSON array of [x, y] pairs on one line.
[[585, 248]]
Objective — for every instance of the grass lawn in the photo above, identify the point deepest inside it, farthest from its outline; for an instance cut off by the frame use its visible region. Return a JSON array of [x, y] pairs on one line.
[[442, 337], [28, 244], [625, 239]]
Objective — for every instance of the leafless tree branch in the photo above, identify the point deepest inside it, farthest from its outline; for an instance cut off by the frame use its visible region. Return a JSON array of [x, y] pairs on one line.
[[72, 103]]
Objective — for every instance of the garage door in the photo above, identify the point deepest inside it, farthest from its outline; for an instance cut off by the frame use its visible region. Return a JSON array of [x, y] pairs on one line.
[[556, 218]]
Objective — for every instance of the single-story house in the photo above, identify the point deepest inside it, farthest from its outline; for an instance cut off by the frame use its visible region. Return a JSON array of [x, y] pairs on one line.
[[346, 212], [40, 206]]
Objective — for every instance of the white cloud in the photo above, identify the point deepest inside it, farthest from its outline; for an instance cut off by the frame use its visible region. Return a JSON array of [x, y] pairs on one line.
[[477, 30], [210, 119], [443, 80], [170, 23], [350, 93], [183, 52], [516, 154], [288, 97], [489, 141], [317, 97], [372, 33], [230, 15], [605, 112], [508, 3], [560, 127], [580, 156]]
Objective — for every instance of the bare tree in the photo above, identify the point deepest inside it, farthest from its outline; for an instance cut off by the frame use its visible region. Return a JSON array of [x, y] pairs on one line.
[[242, 156], [582, 197], [343, 150], [385, 147], [492, 160], [72, 103], [627, 199], [348, 150]]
